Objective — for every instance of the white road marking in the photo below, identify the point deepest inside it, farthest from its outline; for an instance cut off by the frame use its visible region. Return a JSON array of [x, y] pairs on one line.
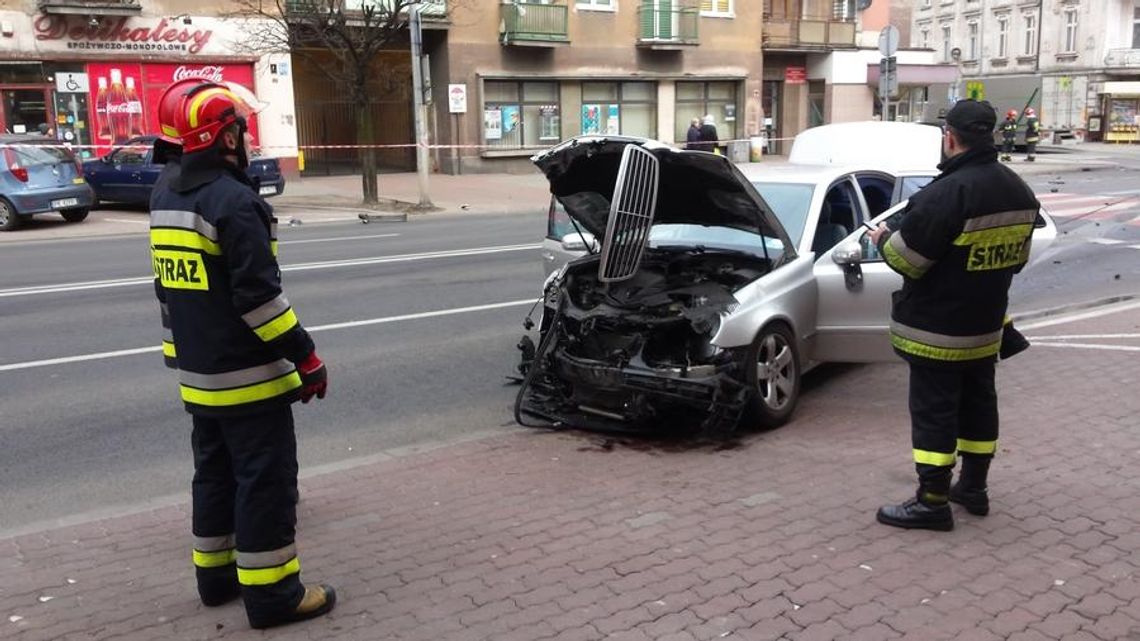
[[127, 220], [1079, 316], [354, 262], [1111, 348], [329, 240], [1123, 192], [318, 328], [1106, 241]]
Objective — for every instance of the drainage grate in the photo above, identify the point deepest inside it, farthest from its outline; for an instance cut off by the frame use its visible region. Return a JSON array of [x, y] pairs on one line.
[[631, 215]]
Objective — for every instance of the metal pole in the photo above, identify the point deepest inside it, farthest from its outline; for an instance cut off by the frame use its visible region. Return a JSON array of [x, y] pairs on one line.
[[418, 94]]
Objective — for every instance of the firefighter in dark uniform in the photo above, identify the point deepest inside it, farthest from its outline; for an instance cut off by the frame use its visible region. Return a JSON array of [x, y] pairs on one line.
[[962, 239], [1008, 135], [1032, 134], [243, 359]]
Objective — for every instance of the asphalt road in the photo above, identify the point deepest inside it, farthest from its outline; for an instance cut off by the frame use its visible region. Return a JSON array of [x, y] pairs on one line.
[[417, 321]]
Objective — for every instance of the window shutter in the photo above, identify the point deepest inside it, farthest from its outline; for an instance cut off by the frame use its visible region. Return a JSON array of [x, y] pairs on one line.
[[715, 6]]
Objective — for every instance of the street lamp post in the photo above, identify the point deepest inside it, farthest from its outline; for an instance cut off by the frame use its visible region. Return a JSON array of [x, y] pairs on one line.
[[422, 142]]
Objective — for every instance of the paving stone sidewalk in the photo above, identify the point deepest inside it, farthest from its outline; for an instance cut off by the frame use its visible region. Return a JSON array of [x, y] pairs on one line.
[[539, 535]]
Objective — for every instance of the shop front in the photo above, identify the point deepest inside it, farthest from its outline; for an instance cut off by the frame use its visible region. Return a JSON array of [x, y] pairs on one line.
[[1121, 112], [95, 83]]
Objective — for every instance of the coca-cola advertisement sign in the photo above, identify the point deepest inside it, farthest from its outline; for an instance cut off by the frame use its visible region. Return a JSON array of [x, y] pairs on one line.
[[121, 34], [124, 96]]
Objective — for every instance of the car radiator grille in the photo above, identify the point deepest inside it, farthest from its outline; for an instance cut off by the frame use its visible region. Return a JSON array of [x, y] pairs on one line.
[[631, 215]]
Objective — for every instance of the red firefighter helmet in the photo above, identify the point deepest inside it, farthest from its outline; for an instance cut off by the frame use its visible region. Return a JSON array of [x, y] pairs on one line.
[[1012, 113], [1030, 113], [168, 106], [201, 111]]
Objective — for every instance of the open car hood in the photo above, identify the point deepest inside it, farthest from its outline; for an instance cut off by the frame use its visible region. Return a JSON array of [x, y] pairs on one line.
[[694, 187]]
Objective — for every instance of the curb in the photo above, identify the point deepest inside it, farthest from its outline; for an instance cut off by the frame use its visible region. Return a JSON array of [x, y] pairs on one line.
[[1073, 307]]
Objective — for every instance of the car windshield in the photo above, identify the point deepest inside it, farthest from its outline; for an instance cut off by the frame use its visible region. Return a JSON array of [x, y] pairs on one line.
[[911, 185], [672, 235], [791, 203]]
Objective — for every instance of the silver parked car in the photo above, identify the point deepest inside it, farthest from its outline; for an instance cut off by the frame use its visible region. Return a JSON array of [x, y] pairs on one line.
[[700, 308], [40, 176]]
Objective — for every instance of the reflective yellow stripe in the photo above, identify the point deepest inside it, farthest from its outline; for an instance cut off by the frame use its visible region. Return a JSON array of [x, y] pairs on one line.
[[168, 349], [196, 103], [900, 264], [170, 131], [240, 395], [1012, 233], [277, 326], [268, 576], [273, 247], [941, 459], [214, 559], [944, 353], [977, 447], [185, 239]]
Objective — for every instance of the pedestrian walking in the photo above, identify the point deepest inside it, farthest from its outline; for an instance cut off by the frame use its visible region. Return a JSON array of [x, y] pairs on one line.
[[960, 242], [1008, 135], [1032, 134], [693, 137], [243, 359], [709, 136]]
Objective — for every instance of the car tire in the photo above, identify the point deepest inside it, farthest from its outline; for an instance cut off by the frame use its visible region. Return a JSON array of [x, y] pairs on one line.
[[9, 219], [74, 215], [774, 374]]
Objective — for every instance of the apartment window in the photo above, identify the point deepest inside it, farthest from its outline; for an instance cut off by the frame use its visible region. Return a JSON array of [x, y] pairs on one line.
[[628, 108], [924, 38], [925, 4], [1030, 34], [1136, 26], [1003, 37], [843, 10], [722, 8], [603, 5], [521, 114], [698, 99], [1070, 38], [946, 42], [972, 41]]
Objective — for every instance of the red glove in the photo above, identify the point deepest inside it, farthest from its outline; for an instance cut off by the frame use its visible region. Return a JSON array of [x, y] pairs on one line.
[[314, 377]]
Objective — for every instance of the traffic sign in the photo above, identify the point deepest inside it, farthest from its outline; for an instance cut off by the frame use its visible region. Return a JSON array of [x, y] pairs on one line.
[[889, 40]]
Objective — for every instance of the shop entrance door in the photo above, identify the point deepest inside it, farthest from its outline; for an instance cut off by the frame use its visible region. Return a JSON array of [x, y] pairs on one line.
[[24, 108]]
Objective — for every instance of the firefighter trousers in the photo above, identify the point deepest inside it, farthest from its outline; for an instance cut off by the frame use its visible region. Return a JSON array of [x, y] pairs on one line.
[[953, 410], [245, 511]]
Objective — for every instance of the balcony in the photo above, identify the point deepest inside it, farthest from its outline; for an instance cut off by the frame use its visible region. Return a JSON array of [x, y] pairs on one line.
[[92, 7], [668, 25], [807, 34], [530, 24], [1117, 60]]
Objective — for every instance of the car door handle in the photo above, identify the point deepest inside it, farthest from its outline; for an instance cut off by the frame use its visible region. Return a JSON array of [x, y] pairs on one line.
[[135, 175]]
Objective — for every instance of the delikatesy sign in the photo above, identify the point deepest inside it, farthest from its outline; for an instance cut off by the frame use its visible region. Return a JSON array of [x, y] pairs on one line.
[[120, 34]]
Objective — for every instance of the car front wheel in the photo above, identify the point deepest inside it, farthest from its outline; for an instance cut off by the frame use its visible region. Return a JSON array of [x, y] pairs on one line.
[[774, 375], [74, 215], [9, 219]]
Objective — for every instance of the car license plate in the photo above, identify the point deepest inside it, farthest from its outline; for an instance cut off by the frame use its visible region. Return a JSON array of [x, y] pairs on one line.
[[64, 203], [268, 189]]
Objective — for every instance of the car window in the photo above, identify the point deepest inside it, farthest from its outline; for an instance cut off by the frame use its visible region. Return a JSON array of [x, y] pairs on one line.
[[558, 223], [877, 192], [910, 185], [791, 203], [133, 155], [37, 155]]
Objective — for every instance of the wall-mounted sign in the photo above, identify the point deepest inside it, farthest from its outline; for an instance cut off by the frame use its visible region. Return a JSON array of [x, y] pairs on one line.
[[120, 34], [457, 99], [68, 82], [795, 75]]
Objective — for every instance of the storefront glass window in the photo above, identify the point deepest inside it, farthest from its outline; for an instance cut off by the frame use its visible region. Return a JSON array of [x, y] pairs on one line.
[[21, 73], [510, 123], [697, 99], [628, 108]]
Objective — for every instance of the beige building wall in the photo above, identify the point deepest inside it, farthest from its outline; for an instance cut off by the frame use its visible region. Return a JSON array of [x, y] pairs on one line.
[[850, 103]]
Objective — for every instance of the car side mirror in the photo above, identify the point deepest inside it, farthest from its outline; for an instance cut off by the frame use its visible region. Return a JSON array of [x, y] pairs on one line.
[[849, 253], [577, 242], [106, 160]]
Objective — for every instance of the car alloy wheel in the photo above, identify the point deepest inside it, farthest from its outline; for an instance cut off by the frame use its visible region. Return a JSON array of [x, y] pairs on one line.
[[9, 220], [775, 376]]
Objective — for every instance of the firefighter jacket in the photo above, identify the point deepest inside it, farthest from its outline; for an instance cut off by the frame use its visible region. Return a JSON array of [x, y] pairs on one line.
[[1009, 129], [1032, 130], [234, 336], [960, 241]]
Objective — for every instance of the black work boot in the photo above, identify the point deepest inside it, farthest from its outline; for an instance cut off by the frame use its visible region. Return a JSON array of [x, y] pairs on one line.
[[970, 490], [929, 509]]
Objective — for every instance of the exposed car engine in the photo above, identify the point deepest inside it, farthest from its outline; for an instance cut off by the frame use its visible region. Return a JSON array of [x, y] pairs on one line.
[[639, 350]]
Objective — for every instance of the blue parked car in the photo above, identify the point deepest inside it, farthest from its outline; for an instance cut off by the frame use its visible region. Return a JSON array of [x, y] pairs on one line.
[[40, 176], [127, 174]]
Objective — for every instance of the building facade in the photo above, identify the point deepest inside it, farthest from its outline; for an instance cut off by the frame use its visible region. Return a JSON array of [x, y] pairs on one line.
[[90, 73], [1076, 61]]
